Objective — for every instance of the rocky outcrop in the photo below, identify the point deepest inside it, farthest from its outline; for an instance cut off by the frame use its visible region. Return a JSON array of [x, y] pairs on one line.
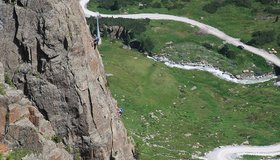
[[115, 32], [45, 46], [23, 126]]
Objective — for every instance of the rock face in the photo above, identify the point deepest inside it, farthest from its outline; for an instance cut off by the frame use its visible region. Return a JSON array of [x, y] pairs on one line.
[[116, 32], [23, 126], [45, 47]]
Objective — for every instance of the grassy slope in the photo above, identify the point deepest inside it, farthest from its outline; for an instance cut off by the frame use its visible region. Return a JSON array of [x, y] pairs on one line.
[[188, 44], [216, 113], [187, 47]]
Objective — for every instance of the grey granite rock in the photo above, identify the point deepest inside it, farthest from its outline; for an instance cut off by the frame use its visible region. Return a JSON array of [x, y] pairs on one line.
[[45, 47]]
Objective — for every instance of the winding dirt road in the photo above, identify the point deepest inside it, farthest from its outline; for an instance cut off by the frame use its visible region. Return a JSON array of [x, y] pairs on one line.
[[234, 152], [209, 29], [225, 152]]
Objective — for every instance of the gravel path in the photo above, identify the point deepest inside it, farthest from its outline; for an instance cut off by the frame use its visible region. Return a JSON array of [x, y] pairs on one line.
[[234, 152], [208, 29]]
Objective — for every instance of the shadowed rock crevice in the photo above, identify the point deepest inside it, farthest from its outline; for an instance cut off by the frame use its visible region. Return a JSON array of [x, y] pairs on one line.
[[42, 59], [22, 49], [91, 108], [65, 44], [277, 70]]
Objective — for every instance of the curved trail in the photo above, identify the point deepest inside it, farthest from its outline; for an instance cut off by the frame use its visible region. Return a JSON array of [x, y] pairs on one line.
[[226, 152], [209, 29], [234, 152]]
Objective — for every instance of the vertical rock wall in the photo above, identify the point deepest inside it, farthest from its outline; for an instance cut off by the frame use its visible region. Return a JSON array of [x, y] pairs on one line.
[[45, 46]]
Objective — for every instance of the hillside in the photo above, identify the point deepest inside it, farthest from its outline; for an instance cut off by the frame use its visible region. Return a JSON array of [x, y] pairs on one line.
[[178, 114], [175, 114]]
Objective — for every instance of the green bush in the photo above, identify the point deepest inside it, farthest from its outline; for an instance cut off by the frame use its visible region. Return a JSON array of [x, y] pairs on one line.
[[115, 6], [9, 81], [2, 91], [57, 139], [225, 51], [213, 6], [241, 3], [262, 37], [173, 4], [267, 1], [207, 45], [137, 151], [18, 154], [147, 44], [272, 10], [137, 26], [156, 5], [132, 31]]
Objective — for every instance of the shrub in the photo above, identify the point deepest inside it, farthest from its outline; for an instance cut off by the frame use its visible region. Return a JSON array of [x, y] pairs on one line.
[[147, 44], [242, 3], [272, 10], [2, 92], [111, 4], [225, 51], [262, 37], [18, 154], [132, 30], [115, 6], [212, 7], [268, 1], [136, 153], [156, 5], [207, 46], [57, 139], [9, 81]]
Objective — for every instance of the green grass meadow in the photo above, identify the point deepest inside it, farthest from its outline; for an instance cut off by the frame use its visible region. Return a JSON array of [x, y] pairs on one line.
[[174, 114], [187, 46]]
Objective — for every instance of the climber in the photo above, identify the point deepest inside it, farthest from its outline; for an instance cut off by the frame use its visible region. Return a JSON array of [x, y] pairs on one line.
[[95, 41], [120, 111]]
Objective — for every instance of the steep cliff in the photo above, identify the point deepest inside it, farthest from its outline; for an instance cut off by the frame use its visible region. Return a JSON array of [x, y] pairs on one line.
[[23, 126], [45, 46]]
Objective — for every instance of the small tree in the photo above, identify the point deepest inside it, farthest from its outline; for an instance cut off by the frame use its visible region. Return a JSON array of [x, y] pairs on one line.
[[147, 44], [225, 51], [212, 7], [115, 6]]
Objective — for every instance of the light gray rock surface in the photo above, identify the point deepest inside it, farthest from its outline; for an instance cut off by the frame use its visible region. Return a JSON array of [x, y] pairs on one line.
[[23, 126], [45, 47], [2, 72]]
